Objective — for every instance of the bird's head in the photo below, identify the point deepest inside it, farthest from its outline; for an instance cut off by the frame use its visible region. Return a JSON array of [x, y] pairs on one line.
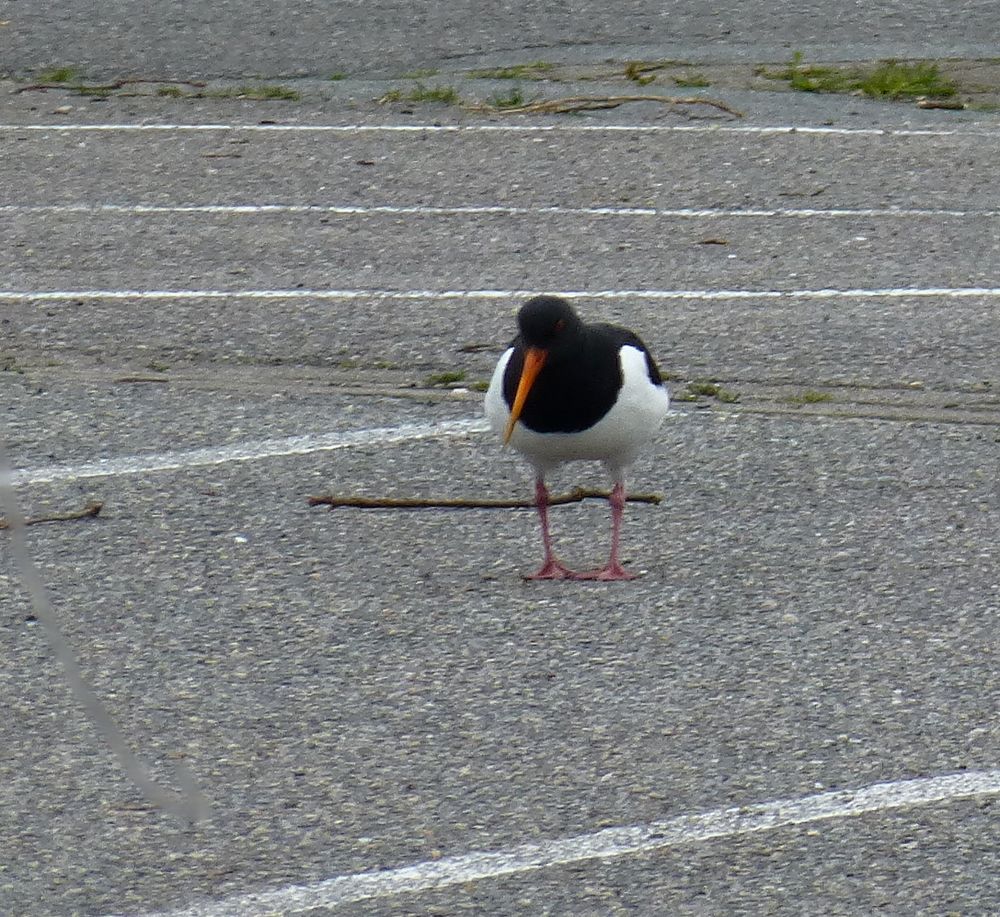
[[547, 323]]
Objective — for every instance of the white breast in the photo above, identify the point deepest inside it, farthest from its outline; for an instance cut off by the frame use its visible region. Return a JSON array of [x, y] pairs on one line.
[[615, 439]]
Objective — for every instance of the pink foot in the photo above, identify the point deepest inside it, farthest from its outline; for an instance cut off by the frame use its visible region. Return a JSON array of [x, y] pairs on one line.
[[551, 569], [607, 574]]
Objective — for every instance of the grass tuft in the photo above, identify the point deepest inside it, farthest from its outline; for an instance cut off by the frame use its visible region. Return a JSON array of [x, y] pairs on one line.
[[893, 80], [810, 397], [513, 99], [638, 72], [811, 77], [695, 390], [270, 93], [445, 378], [691, 81], [889, 80], [535, 70], [421, 93], [58, 75]]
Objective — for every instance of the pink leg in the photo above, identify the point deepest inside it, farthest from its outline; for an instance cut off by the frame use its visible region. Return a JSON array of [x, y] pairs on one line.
[[614, 570], [551, 567]]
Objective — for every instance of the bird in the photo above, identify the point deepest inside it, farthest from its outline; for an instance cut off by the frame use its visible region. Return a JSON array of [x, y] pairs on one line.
[[567, 390]]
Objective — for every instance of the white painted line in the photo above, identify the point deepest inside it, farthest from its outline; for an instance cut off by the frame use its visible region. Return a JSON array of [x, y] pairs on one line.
[[489, 210], [876, 293], [245, 452], [190, 805], [601, 845], [791, 129]]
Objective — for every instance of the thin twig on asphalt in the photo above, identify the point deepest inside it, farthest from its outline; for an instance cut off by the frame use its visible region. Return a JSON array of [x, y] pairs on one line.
[[574, 496], [105, 87], [589, 103], [91, 509]]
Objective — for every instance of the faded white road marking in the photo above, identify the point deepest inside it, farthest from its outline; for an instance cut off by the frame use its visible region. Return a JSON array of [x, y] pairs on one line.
[[190, 805], [245, 452], [599, 845], [863, 293], [715, 128], [494, 209]]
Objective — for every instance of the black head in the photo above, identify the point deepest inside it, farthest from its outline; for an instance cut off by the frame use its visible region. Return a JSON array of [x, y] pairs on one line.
[[545, 320]]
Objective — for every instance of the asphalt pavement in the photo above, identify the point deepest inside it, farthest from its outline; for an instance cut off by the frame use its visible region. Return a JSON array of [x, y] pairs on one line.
[[244, 38], [214, 308]]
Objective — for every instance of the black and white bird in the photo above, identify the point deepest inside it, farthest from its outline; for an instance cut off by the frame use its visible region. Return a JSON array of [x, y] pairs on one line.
[[567, 390]]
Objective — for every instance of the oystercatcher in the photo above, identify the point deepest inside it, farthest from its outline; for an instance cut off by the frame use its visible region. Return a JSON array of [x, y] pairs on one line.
[[567, 390]]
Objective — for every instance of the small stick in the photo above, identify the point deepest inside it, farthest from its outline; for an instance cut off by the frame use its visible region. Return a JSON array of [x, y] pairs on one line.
[[104, 87], [91, 509], [574, 496], [951, 104], [588, 103]]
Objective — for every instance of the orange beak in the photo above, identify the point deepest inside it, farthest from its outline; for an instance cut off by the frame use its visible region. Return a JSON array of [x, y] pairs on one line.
[[534, 360]]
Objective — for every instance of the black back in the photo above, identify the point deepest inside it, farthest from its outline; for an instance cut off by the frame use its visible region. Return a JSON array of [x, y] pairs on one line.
[[582, 375]]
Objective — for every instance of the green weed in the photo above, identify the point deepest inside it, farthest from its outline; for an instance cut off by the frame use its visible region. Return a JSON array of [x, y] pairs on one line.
[[58, 75], [445, 378], [811, 77], [889, 80], [638, 72], [421, 93], [810, 397], [513, 99], [535, 70], [445, 94], [691, 81], [695, 390], [893, 80]]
